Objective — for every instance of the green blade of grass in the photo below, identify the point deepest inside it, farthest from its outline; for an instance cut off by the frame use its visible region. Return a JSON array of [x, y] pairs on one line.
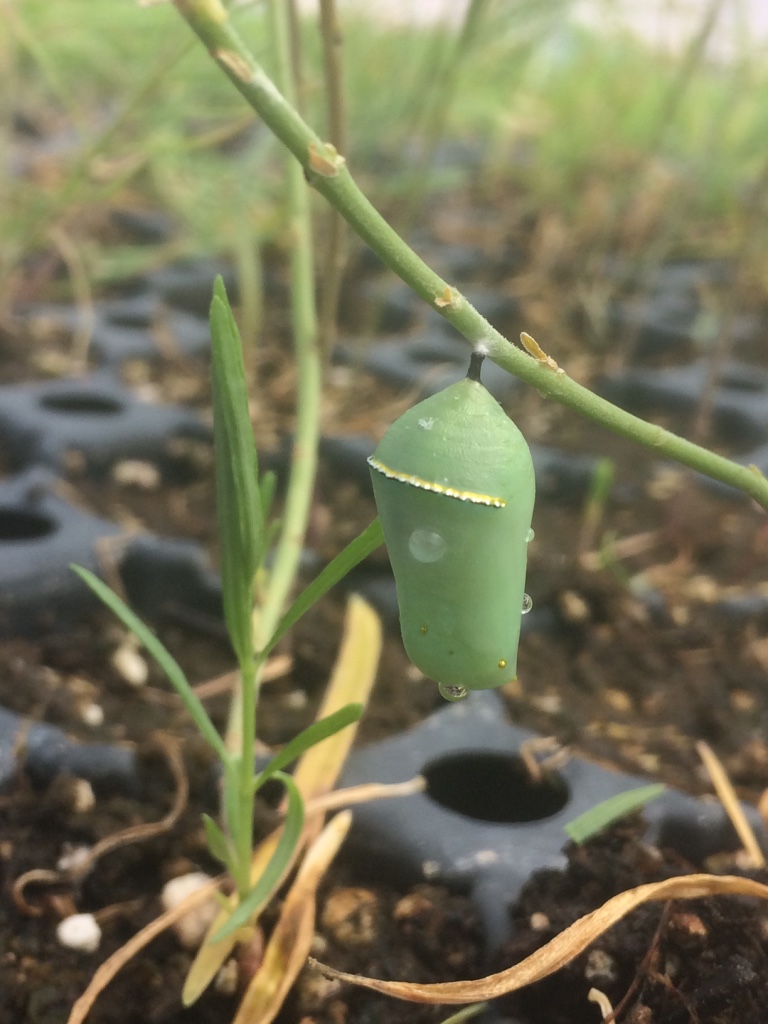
[[354, 553], [218, 844], [238, 502], [162, 656], [610, 810], [289, 839], [307, 738]]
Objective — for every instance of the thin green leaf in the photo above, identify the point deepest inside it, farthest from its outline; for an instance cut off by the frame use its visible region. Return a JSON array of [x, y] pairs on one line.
[[466, 1013], [610, 810], [220, 847], [267, 486], [289, 839], [238, 501], [165, 660], [309, 737], [354, 553], [230, 796]]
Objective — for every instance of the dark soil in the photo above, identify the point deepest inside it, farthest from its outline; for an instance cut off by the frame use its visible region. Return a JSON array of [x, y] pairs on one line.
[[623, 679], [682, 961]]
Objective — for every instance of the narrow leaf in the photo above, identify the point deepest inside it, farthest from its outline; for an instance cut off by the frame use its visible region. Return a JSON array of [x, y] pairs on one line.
[[610, 810], [212, 955], [354, 553], [238, 502], [267, 486], [218, 844], [289, 839], [307, 738], [162, 656], [315, 775]]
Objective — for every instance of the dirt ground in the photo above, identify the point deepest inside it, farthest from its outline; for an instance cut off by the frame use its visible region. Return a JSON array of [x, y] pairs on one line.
[[641, 661]]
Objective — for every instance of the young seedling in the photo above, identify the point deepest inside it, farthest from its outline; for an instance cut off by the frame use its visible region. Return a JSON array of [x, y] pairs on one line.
[[245, 530]]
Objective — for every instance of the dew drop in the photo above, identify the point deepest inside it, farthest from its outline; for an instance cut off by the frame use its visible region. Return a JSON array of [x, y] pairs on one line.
[[452, 693], [529, 536], [426, 545], [527, 604]]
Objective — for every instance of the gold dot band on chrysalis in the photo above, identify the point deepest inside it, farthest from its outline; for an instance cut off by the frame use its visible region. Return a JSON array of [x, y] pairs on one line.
[[430, 485]]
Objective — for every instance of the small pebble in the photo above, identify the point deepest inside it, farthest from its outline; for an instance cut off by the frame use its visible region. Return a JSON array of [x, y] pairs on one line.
[[73, 857], [350, 916], [93, 715], [79, 931], [83, 797], [226, 980], [600, 967], [296, 700], [574, 607], [136, 473], [129, 663], [192, 927]]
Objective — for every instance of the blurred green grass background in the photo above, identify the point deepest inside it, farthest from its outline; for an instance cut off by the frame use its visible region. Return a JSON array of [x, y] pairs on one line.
[[606, 142]]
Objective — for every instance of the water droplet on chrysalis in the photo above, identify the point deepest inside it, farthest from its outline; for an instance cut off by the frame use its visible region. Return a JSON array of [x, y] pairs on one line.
[[426, 545], [452, 693], [527, 604], [529, 536]]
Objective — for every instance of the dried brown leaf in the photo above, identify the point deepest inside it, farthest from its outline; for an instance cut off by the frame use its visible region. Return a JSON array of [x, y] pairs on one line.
[[729, 800], [533, 348], [111, 967], [563, 948]]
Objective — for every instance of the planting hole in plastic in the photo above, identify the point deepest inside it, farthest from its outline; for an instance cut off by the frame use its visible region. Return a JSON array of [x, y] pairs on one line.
[[494, 787], [18, 524], [82, 404]]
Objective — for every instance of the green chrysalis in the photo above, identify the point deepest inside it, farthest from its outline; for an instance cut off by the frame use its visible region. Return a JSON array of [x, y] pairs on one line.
[[454, 486]]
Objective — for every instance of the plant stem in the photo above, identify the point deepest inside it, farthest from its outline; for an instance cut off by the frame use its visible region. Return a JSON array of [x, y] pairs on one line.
[[243, 832], [335, 254], [304, 458], [209, 19]]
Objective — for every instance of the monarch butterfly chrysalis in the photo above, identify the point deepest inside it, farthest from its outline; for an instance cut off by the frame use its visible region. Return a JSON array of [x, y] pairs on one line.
[[454, 487]]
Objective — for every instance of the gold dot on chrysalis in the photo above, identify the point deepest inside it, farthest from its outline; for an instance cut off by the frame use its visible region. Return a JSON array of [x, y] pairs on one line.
[[502, 663], [423, 629]]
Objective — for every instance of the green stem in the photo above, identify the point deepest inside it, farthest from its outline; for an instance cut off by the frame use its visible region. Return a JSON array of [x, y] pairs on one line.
[[335, 254], [209, 19], [243, 831], [304, 457]]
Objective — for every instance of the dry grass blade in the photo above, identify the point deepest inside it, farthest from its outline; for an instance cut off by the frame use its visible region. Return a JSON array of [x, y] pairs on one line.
[[120, 958], [564, 947], [126, 837], [352, 679], [364, 793], [287, 950], [730, 802]]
